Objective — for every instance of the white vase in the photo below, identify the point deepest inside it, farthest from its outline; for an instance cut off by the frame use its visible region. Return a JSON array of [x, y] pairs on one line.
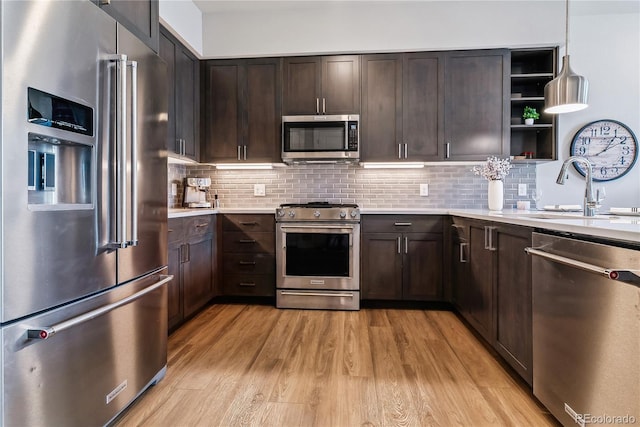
[[496, 195], [528, 121]]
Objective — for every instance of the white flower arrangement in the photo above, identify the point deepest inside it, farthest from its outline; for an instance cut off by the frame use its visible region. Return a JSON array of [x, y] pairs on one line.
[[493, 169]]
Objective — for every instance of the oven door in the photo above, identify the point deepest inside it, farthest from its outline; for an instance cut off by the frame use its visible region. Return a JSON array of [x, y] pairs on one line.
[[318, 256]]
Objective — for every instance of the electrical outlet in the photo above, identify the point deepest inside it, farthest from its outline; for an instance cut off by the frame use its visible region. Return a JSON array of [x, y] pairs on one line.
[[259, 190], [174, 189], [424, 190], [522, 189]]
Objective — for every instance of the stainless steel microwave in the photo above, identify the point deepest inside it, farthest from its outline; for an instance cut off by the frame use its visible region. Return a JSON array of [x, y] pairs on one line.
[[329, 138]]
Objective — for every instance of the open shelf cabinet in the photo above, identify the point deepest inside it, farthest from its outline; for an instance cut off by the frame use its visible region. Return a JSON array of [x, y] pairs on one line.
[[531, 70]]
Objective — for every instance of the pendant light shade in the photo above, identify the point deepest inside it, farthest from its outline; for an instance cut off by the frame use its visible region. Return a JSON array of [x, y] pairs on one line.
[[569, 91], [566, 93]]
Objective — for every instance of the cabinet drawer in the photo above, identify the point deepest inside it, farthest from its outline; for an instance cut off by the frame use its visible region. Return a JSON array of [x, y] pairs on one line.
[[247, 284], [249, 263], [199, 225], [249, 242], [401, 223], [175, 230], [249, 222]]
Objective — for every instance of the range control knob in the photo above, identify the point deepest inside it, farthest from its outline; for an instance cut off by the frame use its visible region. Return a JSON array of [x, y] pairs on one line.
[[354, 213], [292, 214], [343, 214], [316, 214], [280, 212]]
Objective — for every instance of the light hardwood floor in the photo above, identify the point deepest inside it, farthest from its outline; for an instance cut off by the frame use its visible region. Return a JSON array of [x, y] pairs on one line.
[[252, 365]]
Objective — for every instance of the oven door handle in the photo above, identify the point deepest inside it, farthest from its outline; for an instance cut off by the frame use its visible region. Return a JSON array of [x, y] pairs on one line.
[[315, 227]]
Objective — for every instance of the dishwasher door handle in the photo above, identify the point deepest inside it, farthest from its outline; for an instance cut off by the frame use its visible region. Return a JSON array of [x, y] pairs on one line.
[[625, 275]]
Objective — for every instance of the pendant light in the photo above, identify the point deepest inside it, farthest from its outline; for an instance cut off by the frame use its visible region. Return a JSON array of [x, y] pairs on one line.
[[569, 91]]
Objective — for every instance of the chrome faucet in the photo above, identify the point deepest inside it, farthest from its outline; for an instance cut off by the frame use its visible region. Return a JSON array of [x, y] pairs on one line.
[[590, 204]]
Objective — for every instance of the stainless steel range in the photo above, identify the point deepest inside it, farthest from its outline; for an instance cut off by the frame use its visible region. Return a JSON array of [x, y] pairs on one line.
[[318, 256]]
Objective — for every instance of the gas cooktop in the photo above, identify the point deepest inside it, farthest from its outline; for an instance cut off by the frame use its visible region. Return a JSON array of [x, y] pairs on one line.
[[316, 205]]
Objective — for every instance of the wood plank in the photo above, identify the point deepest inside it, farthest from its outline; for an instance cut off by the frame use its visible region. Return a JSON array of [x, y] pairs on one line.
[[260, 366]]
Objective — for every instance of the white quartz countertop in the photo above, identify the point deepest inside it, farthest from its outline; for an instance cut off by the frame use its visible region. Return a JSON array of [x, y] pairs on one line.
[[618, 227]]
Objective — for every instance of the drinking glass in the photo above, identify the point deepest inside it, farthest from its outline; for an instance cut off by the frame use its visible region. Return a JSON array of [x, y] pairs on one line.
[[536, 195]]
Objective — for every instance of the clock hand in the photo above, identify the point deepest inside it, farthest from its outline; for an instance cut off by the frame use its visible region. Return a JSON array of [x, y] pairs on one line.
[[609, 146]]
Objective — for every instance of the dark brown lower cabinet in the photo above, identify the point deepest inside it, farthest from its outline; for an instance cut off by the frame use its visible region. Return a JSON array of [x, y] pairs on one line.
[[192, 263], [248, 255], [491, 286], [401, 265]]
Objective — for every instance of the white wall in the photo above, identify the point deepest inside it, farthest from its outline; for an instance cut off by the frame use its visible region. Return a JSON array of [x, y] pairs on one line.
[[184, 20], [305, 27], [606, 50]]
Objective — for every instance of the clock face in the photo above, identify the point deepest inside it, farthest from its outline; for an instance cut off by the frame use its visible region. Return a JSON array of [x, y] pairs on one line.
[[610, 145]]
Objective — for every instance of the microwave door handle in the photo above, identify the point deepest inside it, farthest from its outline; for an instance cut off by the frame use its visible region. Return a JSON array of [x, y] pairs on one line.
[[346, 135]]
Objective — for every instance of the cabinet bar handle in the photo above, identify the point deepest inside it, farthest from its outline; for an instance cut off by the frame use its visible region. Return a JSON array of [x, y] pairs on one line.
[[239, 153], [462, 258], [402, 224], [245, 152], [488, 238], [317, 105], [202, 225], [447, 150], [247, 263], [247, 284], [247, 241], [399, 251], [399, 151], [170, 230], [248, 223], [406, 151], [406, 245], [324, 106]]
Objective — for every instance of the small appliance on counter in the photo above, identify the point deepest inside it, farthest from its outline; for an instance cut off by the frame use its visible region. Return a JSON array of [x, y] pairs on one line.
[[195, 193]]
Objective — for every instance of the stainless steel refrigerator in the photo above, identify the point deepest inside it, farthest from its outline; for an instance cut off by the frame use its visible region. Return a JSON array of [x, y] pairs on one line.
[[83, 229]]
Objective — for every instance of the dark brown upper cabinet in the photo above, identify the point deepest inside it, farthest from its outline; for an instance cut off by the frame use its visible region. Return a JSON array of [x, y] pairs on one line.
[[242, 110], [183, 90], [476, 104], [321, 85], [402, 98], [141, 17]]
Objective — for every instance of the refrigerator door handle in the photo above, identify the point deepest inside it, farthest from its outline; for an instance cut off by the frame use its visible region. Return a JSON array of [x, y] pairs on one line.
[[134, 154], [45, 332], [121, 153]]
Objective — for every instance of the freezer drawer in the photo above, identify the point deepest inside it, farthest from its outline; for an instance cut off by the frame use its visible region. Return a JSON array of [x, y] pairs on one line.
[[92, 367]]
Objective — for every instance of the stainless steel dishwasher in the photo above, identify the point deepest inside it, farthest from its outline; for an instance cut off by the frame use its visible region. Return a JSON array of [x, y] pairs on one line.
[[586, 330]]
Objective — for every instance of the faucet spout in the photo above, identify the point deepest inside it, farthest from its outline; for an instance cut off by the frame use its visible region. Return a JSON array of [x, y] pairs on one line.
[[589, 200]]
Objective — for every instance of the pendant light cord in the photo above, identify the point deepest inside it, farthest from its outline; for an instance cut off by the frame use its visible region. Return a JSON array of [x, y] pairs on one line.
[[566, 29]]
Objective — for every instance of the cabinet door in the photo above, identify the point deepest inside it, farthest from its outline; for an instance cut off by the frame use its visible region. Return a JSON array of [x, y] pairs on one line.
[[459, 264], [222, 107], [423, 101], [141, 17], [340, 84], [261, 124], [381, 266], [513, 298], [197, 275], [174, 288], [422, 266], [301, 89], [476, 115], [187, 101], [381, 121], [167, 53], [479, 290]]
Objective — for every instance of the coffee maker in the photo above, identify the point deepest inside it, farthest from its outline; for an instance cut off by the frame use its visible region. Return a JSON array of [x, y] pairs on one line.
[[195, 193]]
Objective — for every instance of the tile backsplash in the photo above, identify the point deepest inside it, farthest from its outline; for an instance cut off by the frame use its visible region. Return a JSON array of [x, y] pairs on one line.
[[450, 186]]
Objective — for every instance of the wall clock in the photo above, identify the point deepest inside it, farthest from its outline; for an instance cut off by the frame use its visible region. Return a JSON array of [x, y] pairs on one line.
[[610, 145]]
